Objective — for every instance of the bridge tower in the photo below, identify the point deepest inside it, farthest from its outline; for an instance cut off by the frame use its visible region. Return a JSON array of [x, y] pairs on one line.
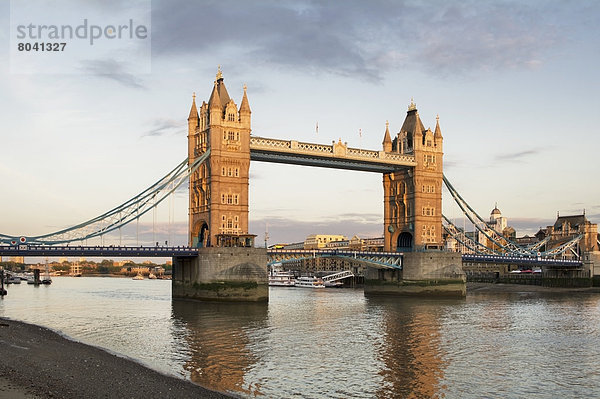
[[218, 209], [413, 197]]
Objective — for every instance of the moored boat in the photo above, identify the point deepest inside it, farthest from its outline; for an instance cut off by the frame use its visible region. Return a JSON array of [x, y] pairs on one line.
[[138, 276], [309, 282], [282, 279]]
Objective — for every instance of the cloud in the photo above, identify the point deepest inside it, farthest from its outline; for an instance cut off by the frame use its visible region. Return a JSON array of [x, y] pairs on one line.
[[365, 39], [516, 155], [165, 126], [529, 226], [113, 70]]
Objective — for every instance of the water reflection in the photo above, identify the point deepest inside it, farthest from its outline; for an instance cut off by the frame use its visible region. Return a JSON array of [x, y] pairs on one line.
[[218, 343], [411, 348]]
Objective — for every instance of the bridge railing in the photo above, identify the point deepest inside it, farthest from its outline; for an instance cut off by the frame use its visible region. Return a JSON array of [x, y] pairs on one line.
[[520, 259], [331, 252], [58, 250]]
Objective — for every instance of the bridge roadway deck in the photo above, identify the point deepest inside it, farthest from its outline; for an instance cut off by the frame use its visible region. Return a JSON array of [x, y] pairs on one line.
[[74, 250], [182, 251]]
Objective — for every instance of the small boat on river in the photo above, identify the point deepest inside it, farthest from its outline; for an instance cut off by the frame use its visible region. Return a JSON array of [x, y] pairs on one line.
[[138, 276]]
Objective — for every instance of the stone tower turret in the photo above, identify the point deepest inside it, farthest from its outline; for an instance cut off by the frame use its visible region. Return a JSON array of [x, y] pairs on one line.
[[413, 198], [219, 188]]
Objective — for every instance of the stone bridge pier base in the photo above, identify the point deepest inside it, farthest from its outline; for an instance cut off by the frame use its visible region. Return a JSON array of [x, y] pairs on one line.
[[426, 274], [222, 274]]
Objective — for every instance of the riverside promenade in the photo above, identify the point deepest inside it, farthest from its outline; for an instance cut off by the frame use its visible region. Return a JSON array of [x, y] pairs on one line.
[[36, 362]]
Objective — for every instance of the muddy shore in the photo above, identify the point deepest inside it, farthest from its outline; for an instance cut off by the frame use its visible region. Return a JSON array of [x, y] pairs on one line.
[[37, 363]]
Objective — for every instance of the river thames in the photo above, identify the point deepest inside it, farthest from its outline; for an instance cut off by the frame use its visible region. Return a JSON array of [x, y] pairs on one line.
[[334, 343]]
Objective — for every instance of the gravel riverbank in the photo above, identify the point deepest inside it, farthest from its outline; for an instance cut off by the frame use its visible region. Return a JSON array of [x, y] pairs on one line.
[[37, 363]]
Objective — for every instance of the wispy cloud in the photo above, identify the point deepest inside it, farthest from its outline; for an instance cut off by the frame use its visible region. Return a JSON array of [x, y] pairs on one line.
[[516, 155], [162, 127], [112, 70], [365, 39]]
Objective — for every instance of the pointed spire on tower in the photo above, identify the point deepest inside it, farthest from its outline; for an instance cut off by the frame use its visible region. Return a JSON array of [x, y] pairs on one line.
[[215, 99], [245, 106], [438, 131], [194, 110], [387, 139]]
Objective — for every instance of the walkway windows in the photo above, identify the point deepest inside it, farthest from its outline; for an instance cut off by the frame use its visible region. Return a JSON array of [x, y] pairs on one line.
[[428, 188], [428, 234], [428, 211], [231, 136], [230, 199], [429, 159]]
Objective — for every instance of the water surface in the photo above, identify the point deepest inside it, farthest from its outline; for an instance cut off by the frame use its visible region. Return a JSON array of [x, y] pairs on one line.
[[334, 343]]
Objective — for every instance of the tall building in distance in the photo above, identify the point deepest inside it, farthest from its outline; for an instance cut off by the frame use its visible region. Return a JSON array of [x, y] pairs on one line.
[[218, 211]]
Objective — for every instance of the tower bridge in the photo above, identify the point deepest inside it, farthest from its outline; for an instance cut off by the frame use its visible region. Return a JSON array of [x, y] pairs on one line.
[[411, 165], [221, 262]]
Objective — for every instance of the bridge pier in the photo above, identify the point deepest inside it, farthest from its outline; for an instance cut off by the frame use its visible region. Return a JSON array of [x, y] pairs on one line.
[[429, 273], [231, 274]]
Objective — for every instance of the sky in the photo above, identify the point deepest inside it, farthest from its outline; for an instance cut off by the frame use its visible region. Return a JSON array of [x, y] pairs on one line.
[[515, 85]]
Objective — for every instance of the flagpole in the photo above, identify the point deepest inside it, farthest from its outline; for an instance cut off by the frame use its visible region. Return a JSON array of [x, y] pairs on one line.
[[359, 138]]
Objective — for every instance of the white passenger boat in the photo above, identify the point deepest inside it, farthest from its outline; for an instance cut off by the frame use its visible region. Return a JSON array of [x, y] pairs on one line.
[[309, 282], [281, 279]]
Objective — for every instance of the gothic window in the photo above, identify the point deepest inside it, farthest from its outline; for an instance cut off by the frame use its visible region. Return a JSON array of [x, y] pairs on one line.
[[223, 171], [222, 198], [231, 136], [229, 172], [224, 135], [235, 199], [237, 136], [237, 172], [229, 199], [231, 117], [428, 143], [229, 224]]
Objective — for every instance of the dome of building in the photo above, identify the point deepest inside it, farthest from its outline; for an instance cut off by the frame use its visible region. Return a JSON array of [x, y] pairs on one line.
[[496, 211]]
